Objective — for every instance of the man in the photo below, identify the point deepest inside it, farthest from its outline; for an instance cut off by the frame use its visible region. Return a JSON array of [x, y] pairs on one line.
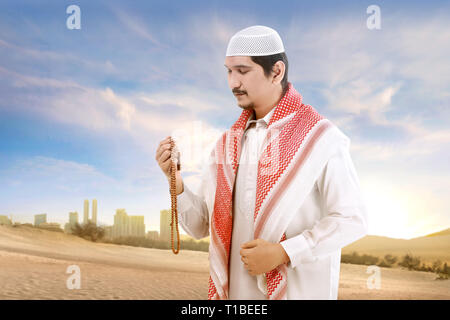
[[280, 196]]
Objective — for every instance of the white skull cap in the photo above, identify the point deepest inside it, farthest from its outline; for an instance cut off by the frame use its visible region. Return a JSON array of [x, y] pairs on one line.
[[255, 41]]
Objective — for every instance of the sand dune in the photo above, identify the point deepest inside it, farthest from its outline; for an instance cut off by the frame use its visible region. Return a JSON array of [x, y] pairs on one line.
[[58, 245], [34, 264], [428, 248]]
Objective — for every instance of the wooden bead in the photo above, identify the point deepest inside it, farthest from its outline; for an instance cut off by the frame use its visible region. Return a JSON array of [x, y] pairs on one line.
[[173, 195]]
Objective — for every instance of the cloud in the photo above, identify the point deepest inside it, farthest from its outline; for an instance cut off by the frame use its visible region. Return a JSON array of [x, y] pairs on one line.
[[358, 70], [360, 96], [54, 59], [125, 110], [424, 143], [22, 81], [44, 175], [386, 79], [65, 102], [187, 98], [337, 51], [422, 49], [134, 24], [103, 110], [72, 103]]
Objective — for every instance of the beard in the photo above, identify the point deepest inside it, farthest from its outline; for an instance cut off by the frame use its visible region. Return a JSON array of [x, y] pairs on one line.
[[248, 106]]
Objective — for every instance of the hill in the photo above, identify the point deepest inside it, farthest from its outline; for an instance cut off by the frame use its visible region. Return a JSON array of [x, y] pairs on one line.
[[429, 248], [445, 232]]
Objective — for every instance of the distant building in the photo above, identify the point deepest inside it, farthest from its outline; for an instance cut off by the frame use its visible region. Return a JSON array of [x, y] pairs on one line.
[[137, 226], [86, 212], [94, 211], [40, 218], [164, 225], [4, 220], [73, 220], [121, 227], [127, 226], [68, 228], [153, 235]]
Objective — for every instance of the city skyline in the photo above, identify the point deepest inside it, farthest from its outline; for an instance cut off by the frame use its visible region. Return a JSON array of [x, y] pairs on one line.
[[74, 217]]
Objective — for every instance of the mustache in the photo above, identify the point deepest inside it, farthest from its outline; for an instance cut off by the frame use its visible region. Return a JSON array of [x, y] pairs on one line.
[[237, 91]]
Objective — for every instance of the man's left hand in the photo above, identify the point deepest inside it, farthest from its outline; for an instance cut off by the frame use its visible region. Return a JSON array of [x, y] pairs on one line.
[[260, 256]]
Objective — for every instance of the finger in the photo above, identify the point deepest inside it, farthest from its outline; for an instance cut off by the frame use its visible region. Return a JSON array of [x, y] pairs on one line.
[[161, 149], [166, 165], [245, 252], [164, 156], [164, 141], [250, 244]]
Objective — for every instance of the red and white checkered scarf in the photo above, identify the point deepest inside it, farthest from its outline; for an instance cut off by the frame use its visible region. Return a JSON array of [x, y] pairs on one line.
[[275, 171]]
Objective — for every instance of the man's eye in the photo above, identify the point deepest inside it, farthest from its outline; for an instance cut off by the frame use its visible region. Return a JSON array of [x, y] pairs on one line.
[[242, 72]]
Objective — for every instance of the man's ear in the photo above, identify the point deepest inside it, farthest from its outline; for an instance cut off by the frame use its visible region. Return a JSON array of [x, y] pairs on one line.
[[278, 71]]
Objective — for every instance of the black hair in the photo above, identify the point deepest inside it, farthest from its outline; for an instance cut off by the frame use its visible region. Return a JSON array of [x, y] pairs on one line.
[[267, 62]]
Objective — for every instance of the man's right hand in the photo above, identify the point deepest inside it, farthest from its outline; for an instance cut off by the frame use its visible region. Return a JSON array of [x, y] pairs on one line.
[[163, 157]]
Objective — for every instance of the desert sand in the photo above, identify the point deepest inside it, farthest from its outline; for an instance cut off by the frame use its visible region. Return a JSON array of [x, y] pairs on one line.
[[34, 262]]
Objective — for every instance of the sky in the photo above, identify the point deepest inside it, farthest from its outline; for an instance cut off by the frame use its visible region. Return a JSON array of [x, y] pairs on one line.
[[82, 111]]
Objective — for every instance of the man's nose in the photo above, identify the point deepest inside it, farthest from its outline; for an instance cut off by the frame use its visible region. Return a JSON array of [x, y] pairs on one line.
[[234, 82]]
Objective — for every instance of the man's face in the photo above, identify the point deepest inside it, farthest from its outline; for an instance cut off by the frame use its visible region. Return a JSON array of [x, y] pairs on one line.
[[247, 81]]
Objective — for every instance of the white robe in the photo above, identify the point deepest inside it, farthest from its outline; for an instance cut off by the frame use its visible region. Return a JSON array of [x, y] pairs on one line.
[[332, 216]]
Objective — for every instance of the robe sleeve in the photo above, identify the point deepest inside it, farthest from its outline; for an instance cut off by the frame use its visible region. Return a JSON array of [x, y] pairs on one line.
[[345, 219], [193, 213]]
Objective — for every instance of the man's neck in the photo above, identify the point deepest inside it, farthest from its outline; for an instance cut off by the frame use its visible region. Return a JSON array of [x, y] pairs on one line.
[[261, 112]]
